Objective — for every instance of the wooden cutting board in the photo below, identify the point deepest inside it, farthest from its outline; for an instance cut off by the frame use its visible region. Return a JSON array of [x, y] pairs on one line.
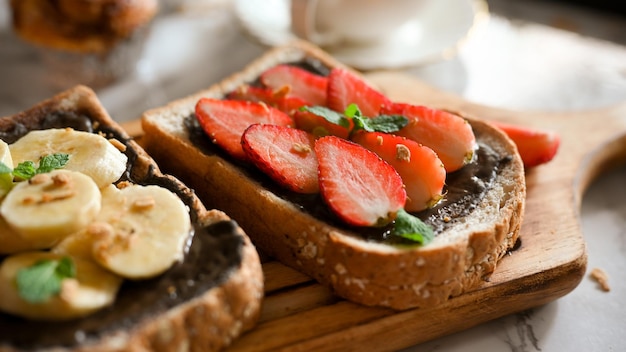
[[299, 314]]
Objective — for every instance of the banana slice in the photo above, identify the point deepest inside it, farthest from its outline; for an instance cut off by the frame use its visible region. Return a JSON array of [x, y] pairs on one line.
[[6, 179], [140, 231], [50, 206], [11, 241], [89, 153], [93, 288]]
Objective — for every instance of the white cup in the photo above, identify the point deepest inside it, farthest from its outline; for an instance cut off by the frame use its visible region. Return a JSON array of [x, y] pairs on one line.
[[351, 22]]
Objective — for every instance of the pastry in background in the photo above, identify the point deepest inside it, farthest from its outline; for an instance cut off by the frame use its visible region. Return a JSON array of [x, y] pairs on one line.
[[91, 42]]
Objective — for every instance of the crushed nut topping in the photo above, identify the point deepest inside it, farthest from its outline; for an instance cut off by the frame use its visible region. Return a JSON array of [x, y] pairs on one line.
[[38, 179], [301, 148], [117, 144], [60, 179], [143, 203], [403, 153]]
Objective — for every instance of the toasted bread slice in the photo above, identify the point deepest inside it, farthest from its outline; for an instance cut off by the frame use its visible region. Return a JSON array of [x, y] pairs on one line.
[[463, 254], [201, 303]]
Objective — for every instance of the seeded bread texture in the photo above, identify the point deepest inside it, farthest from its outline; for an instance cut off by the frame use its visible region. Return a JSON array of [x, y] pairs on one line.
[[368, 273], [209, 322]]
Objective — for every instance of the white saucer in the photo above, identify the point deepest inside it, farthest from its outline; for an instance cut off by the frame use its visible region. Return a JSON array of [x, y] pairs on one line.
[[434, 34]]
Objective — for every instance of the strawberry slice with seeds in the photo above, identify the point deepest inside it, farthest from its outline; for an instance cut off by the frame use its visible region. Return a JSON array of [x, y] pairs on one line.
[[345, 88], [275, 98], [298, 81], [449, 135], [224, 121], [535, 146], [421, 170], [356, 184], [285, 154]]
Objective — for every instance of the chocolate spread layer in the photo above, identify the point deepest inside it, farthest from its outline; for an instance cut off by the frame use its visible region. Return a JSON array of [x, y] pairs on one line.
[[212, 254], [464, 189]]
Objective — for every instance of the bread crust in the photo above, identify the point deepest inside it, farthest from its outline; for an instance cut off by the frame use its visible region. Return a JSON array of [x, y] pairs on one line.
[[367, 273], [208, 322]]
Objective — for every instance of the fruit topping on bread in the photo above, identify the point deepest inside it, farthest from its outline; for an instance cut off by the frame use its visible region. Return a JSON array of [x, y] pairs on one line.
[[99, 250], [358, 235], [136, 232]]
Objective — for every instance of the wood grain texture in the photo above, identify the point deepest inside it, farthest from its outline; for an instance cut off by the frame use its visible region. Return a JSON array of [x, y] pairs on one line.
[[300, 315]]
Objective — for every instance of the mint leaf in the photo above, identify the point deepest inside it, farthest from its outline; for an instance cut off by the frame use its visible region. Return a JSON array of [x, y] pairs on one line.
[[43, 279], [25, 170], [381, 123], [328, 114], [387, 123], [52, 162], [4, 169], [412, 228]]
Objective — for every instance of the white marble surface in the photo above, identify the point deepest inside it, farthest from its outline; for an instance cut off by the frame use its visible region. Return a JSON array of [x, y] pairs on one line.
[[504, 64]]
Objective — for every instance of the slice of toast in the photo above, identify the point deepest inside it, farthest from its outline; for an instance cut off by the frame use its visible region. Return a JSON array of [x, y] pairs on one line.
[[201, 303], [463, 254]]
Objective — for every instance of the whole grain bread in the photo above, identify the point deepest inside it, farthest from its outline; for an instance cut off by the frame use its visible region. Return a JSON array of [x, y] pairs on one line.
[[375, 274], [193, 310]]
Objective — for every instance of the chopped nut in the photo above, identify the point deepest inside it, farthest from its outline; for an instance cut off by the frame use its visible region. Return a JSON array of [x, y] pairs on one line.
[[281, 92], [123, 184], [117, 144], [38, 179], [100, 229], [301, 148], [143, 203], [403, 153], [60, 179], [602, 278], [28, 200], [69, 289]]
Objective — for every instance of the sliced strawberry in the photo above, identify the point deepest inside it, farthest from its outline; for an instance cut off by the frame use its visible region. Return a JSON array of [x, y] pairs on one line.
[[285, 154], [535, 146], [421, 170], [356, 184], [449, 135], [319, 126], [300, 82], [275, 98], [345, 88], [224, 121]]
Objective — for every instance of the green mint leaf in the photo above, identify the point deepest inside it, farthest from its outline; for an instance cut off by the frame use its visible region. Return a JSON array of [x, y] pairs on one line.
[[25, 170], [387, 123], [353, 111], [328, 114], [43, 279], [4, 169], [52, 162], [412, 228]]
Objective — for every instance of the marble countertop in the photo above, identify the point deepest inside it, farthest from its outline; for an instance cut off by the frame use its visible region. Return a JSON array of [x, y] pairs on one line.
[[514, 61]]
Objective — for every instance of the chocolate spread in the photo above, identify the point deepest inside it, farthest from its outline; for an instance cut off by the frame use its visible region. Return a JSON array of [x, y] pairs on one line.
[[213, 252]]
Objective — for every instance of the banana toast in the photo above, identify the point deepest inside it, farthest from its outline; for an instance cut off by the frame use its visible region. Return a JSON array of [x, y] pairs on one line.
[[476, 218], [202, 300]]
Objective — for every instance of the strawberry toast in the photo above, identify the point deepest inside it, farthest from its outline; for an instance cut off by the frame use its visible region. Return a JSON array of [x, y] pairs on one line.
[[386, 203], [101, 251]]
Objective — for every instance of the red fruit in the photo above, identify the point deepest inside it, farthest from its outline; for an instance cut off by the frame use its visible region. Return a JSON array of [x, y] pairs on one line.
[[356, 184], [285, 154], [345, 88], [449, 135], [224, 121], [318, 125], [421, 170], [300, 83], [274, 98], [535, 146]]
